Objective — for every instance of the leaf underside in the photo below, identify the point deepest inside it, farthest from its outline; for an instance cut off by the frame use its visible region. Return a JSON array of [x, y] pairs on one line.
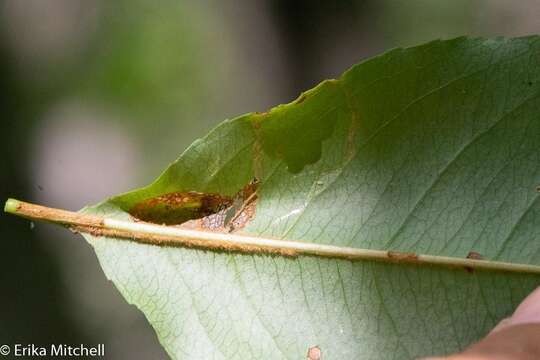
[[433, 149]]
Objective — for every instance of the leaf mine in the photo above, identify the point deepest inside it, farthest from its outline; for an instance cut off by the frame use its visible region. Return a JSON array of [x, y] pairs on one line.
[[179, 207], [200, 211]]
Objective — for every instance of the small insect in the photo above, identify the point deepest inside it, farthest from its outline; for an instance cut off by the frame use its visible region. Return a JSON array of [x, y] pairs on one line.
[[243, 207]]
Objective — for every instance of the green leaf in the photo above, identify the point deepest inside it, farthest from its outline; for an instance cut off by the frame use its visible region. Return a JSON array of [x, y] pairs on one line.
[[433, 150]]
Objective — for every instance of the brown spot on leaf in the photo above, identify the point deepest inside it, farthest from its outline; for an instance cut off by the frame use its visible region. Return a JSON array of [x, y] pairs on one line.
[[538, 188], [474, 255], [402, 256], [314, 353]]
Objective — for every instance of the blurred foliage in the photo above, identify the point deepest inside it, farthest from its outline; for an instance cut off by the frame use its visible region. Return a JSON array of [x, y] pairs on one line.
[[406, 23]]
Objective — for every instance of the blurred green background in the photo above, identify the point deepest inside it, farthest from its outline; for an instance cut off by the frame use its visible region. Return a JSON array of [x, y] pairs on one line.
[[98, 97]]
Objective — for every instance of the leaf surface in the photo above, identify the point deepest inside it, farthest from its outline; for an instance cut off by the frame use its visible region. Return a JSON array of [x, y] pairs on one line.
[[433, 150]]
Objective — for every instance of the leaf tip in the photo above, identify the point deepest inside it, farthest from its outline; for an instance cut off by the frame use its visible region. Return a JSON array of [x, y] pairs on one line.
[[11, 206]]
